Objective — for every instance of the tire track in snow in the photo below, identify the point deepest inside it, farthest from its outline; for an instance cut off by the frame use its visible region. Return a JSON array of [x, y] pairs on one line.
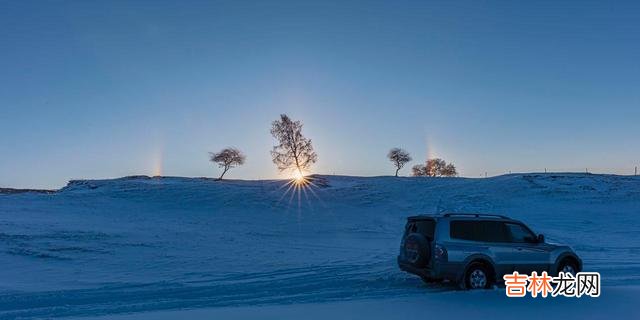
[[295, 285]]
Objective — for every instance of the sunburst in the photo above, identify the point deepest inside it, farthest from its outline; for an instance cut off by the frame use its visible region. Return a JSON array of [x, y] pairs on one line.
[[298, 187]]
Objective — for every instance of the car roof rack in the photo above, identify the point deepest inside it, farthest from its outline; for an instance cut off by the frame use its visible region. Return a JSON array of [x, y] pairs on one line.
[[477, 215], [424, 215]]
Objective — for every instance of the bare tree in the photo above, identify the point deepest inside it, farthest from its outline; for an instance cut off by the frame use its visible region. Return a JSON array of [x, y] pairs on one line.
[[419, 170], [227, 159], [449, 171], [294, 151], [399, 157], [435, 168]]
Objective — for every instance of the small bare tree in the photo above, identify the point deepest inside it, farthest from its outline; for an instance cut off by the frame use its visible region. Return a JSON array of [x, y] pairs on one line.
[[227, 159], [399, 157], [293, 151]]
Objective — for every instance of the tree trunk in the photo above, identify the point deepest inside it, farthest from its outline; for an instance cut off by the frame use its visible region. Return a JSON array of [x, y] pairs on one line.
[[295, 156], [223, 172], [398, 169]]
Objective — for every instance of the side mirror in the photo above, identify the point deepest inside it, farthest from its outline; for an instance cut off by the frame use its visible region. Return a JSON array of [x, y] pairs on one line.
[[540, 238]]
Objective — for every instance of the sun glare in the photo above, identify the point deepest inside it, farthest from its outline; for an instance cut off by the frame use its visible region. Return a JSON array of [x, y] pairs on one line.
[[300, 186], [298, 177]]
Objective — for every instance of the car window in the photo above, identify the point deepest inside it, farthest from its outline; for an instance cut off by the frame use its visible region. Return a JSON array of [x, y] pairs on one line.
[[425, 227], [484, 231], [463, 230], [494, 231], [520, 234]]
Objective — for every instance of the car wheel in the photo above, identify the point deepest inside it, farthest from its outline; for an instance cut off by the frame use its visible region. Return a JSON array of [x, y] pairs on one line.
[[477, 277], [568, 266]]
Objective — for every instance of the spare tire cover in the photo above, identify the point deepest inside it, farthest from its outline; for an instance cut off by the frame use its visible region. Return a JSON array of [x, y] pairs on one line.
[[417, 250]]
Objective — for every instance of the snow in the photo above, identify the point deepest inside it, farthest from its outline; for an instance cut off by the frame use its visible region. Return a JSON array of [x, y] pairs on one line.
[[196, 247], [619, 302]]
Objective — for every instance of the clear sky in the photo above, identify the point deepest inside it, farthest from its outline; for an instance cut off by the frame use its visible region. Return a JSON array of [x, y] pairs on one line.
[[98, 89]]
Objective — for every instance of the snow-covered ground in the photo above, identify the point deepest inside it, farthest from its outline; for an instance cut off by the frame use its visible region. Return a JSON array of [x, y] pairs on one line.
[[617, 303], [184, 248]]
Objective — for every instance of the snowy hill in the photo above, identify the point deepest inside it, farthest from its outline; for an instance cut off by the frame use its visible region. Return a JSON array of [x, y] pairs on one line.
[[140, 244]]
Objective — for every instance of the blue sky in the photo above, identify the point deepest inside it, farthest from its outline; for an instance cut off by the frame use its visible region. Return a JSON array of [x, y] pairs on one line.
[[94, 89]]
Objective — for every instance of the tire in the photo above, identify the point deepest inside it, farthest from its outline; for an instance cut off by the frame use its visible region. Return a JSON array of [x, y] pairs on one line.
[[417, 250], [567, 265], [477, 276]]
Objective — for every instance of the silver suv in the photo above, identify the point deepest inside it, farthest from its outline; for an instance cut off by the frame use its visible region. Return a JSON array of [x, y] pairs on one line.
[[476, 250]]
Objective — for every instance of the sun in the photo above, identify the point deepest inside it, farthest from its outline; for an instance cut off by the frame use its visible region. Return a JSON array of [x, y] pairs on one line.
[[298, 177], [300, 185]]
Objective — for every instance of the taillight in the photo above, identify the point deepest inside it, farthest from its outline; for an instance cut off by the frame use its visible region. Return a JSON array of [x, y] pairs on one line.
[[439, 252]]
